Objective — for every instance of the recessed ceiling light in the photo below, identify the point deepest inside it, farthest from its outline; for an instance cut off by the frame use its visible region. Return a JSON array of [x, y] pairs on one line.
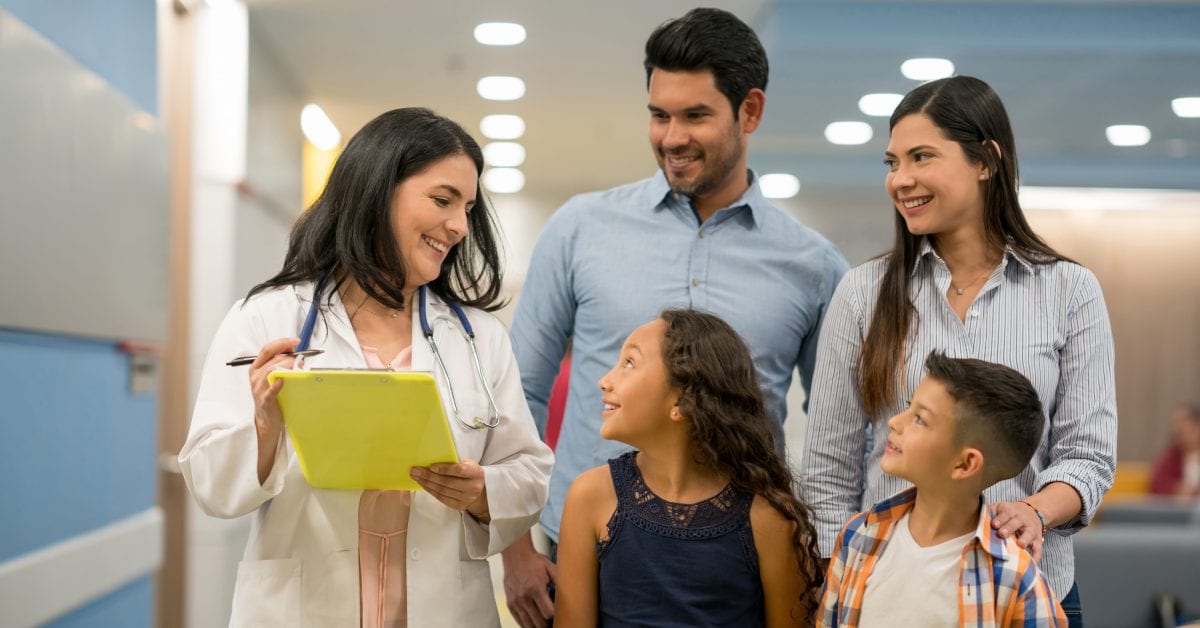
[[499, 33], [504, 154], [502, 126], [318, 128], [848, 133], [500, 87], [927, 69], [503, 180], [779, 185], [879, 104], [1127, 135], [1186, 107]]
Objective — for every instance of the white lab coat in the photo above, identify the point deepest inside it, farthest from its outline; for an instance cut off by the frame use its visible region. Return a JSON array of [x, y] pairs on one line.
[[300, 567]]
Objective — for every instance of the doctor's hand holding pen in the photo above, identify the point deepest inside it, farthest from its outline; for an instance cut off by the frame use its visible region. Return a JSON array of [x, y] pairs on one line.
[[268, 419]]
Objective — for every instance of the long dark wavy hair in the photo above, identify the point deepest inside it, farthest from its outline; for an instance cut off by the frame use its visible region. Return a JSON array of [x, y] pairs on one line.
[[709, 363], [347, 233], [970, 113]]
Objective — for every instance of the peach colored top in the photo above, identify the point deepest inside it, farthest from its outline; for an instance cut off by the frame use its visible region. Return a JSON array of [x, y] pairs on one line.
[[382, 528]]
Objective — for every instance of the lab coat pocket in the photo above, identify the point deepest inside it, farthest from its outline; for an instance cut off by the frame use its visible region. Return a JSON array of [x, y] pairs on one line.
[[475, 590], [331, 588], [267, 593]]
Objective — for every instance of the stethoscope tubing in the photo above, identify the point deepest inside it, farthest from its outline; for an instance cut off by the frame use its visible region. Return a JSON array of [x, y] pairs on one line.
[[493, 420]]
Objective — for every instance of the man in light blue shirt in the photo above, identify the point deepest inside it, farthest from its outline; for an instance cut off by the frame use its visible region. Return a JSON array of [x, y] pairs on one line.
[[697, 234]]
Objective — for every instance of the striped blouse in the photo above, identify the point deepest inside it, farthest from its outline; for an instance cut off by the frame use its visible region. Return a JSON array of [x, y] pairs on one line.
[[1047, 321], [999, 584]]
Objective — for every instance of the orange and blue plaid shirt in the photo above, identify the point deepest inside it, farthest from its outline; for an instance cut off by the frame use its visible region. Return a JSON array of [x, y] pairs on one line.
[[999, 585]]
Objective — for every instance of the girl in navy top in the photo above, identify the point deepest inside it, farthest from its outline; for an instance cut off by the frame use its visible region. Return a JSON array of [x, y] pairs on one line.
[[700, 525]]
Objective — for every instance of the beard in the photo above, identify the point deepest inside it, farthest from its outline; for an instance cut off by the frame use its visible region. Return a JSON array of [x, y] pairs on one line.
[[717, 165]]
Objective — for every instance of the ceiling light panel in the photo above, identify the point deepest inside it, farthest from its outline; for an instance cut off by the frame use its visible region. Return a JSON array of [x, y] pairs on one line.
[[500, 87], [848, 133], [503, 180], [1127, 135], [927, 69], [504, 154], [779, 185], [1188, 107], [318, 128], [502, 126], [499, 34], [880, 105]]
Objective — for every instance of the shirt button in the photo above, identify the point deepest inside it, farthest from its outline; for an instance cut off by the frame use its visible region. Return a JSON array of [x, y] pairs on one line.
[[415, 553], [974, 313], [695, 282], [701, 233]]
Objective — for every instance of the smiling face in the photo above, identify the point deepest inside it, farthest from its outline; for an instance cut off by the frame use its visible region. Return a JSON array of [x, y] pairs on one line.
[[921, 440], [933, 185], [637, 396], [696, 140], [429, 216]]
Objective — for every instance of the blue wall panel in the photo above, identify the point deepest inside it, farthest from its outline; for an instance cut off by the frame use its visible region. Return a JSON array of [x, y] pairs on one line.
[[131, 606], [76, 448], [116, 39]]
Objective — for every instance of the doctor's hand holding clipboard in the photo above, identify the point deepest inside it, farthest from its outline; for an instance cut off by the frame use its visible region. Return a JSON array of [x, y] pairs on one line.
[[394, 268]]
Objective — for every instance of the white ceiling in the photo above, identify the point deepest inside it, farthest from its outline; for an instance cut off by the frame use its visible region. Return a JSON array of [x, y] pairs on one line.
[[1066, 70]]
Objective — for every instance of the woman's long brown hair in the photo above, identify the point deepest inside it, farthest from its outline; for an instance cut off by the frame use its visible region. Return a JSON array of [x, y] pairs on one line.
[[970, 113]]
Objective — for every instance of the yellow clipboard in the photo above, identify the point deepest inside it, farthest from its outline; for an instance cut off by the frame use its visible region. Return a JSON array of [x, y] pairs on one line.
[[364, 429]]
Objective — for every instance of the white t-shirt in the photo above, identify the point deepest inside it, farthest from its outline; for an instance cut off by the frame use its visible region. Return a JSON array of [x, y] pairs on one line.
[[913, 585]]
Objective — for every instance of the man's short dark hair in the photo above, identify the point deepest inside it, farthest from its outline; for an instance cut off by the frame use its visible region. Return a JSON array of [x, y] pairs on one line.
[[997, 411], [714, 40]]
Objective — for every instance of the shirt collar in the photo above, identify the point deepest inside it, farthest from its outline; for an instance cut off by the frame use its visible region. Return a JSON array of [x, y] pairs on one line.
[[926, 251], [893, 508], [987, 537], [663, 197]]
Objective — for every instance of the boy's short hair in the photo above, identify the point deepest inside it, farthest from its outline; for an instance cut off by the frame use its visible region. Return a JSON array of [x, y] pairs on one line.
[[997, 411]]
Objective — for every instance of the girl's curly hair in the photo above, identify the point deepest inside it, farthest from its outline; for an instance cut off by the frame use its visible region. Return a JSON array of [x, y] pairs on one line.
[[731, 433]]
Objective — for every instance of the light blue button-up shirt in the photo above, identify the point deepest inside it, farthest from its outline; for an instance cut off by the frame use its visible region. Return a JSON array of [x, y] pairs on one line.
[[608, 262]]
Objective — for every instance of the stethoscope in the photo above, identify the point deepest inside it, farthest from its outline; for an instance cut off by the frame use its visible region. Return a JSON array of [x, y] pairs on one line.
[[493, 419]]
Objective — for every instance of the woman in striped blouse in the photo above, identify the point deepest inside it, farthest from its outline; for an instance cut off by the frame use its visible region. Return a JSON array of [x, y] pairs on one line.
[[968, 276]]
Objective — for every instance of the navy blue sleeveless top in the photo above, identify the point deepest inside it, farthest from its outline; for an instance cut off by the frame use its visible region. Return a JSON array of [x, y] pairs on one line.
[[668, 564]]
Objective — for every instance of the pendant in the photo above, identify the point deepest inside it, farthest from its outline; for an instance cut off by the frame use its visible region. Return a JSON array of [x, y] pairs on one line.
[[960, 290]]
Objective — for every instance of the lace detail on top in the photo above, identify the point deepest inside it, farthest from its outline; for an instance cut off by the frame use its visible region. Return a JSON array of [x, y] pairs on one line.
[[718, 515]]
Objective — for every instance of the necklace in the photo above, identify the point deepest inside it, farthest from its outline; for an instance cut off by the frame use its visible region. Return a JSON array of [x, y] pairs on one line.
[[964, 288], [394, 313]]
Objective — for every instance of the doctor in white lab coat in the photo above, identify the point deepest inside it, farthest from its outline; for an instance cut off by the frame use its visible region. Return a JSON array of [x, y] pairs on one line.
[[402, 202]]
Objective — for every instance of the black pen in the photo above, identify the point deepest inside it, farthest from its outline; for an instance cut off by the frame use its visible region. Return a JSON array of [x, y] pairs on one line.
[[249, 359]]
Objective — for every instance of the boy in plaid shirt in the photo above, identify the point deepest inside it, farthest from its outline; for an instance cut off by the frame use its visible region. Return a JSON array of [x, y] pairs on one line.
[[928, 556]]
